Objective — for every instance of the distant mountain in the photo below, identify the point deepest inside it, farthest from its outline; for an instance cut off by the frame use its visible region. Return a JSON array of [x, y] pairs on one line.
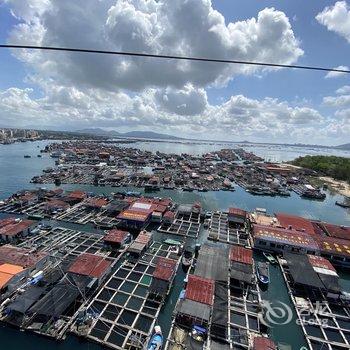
[[131, 134], [345, 146]]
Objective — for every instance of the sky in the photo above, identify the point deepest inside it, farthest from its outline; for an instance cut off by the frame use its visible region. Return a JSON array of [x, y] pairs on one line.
[[72, 91]]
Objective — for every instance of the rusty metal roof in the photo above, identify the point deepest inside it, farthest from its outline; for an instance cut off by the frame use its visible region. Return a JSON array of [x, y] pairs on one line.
[[337, 231], [15, 228], [165, 269], [263, 343], [285, 236], [115, 236], [20, 256], [77, 194], [319, 261], [241, 254], [90, 265], [334, 245], [144, 237], [237, 212], [200, 289], [7, 221], [296, 222]]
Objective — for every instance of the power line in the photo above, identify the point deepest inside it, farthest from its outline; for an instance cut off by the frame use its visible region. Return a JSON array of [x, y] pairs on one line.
[[173, 57]]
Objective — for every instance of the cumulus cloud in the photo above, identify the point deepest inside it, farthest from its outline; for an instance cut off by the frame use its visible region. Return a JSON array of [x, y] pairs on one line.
[[337, 101], [187, 101], [88, 90], [343, 90], [337, 74], [178, 27], [336, 18], [239, 116]]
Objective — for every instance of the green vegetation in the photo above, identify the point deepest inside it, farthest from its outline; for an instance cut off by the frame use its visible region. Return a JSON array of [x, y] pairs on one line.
[[336, 167]]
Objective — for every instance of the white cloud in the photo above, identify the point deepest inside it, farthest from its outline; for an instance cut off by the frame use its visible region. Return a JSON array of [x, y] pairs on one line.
[[167, 96], [66, 107], [178, 27], [337, 101], [337, 74], [343, 90], [336, 18]]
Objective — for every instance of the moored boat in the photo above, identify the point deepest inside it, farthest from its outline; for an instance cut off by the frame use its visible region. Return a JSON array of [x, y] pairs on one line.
[[187, 257], [270, 258], [156, 341], [342, 204], [262, 272]]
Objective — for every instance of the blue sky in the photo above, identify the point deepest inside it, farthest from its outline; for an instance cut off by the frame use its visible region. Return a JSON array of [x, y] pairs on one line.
[[70, 91]]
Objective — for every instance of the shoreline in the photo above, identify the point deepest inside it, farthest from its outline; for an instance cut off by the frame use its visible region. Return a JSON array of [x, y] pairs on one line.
[[339, 186]]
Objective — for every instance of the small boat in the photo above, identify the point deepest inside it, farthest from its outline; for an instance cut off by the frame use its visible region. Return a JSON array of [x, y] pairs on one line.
[[342, 204], [27, 156], [198, 333], [262, 272], [187, 257], [156, 341], [270, 258]]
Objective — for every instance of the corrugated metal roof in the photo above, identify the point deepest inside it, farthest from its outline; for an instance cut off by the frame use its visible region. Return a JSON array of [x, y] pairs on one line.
[[115, 236], [15, 228], [237, 212], [285, 236], [169, 214], [7, 221], [20, 256], [10, 268], [296, 222], [135, 215], [334, 245], [77, 194], [96, 202], [144, 237], [90, 265], [200, 289], [336, 231], [165, 268], [319, 261], [241, 254], [262, 343]]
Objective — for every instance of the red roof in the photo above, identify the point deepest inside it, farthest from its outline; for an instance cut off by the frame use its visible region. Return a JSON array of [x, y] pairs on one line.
[[241, 254], [165, 268], [200, 289], [332, 245], [56, 203], [262, 343], [90, 265], [160, 208], [237, 212], [96, 202], [19, 256], [77, 194], [143, 237], [285, 236], [337, 231], [296, 222], [115, 236], [15, 228], [169, 215], [319, 261], [135, 215], [7, 221]]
